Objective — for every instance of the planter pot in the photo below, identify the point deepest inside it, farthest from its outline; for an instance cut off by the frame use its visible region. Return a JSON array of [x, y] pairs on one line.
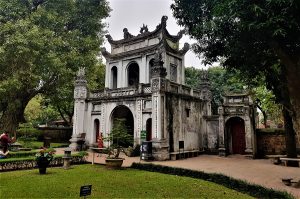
[[42, 170], [114, 163]]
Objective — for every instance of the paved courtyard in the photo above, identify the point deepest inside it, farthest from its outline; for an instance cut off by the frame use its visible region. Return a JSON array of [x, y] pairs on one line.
[[260, 171]]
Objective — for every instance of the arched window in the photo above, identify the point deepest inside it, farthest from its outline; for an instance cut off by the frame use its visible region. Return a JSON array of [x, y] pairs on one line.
[[149, 129], [96, 128], [151, 64], [133, 74], [114, 77]]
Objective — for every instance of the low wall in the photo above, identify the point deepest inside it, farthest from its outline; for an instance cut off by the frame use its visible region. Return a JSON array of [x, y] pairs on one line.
[[271, 142]]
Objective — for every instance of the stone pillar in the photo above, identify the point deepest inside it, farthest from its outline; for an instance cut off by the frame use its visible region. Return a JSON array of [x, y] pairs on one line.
[[80, 95], [248, 136], [222, 149], [158, 86]]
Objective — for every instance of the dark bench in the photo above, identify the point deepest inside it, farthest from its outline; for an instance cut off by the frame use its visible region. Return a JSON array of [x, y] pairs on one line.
[[285, 160], [184, 154]]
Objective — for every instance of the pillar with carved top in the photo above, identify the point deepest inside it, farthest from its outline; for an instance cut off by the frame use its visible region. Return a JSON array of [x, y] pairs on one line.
[[158, 86], [80, 95]]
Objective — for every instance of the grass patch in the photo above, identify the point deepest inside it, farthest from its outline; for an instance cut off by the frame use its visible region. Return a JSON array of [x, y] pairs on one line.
[[128, 183], [254, 190]]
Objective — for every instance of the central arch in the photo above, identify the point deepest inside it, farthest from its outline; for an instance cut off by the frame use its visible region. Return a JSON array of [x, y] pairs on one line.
[[235, 133], [123, 112]]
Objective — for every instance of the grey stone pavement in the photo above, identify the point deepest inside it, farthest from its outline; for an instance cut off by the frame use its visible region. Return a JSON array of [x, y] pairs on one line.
[[260, 171]]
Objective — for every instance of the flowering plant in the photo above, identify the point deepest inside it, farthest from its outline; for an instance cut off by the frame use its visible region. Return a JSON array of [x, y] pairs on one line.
[[44, 157]]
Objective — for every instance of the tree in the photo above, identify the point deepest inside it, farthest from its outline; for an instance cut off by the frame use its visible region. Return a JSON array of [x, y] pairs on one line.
[[43, 43], [259, 38], [63, 98], [266, 102], [222, 81]]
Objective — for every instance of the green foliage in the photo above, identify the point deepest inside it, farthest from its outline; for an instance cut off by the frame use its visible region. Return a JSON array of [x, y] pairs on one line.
[[41, 48], [267, 101], [21, 154], [118, 138], [28, 132], [39, 111], [43, 157], [222, 81], [238, 185], [104, 181]]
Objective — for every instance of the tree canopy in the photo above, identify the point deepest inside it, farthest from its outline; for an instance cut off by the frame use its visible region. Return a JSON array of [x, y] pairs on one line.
[[259, 38], [42, 45]]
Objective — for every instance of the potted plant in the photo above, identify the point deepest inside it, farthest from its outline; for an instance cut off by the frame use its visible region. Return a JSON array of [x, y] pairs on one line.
[[118, 139], [43, 159]]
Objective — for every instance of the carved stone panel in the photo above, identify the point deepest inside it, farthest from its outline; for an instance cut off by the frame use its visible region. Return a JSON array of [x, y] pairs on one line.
[[173, 72], [155, 85]]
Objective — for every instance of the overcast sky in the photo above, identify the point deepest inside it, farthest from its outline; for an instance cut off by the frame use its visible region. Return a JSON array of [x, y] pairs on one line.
[[132, 14]]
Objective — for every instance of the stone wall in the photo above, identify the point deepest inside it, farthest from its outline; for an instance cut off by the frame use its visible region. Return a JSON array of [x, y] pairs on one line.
[[57, 134], [212, 137], [270, 142], [184, 122]]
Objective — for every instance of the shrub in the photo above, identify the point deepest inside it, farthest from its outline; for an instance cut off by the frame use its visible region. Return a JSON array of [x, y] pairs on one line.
[[27, 131]]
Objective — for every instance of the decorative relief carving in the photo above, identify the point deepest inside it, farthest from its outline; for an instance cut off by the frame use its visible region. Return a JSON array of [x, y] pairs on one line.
[[154, 112], [173, 72], [234, 110], [155, 84], [162, 84], [139, 115]]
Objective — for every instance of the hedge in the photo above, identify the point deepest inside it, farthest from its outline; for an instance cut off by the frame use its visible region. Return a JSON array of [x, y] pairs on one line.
[[256, 191], [12, 164]]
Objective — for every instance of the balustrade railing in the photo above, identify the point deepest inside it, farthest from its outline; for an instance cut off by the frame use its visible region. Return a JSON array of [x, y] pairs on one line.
[[146, 89]]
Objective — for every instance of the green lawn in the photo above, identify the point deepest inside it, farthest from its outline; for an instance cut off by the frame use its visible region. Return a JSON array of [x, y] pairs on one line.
[[128, 183]]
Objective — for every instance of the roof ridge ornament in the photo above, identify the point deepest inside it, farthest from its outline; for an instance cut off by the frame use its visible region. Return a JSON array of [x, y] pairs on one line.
[[127, 34], [163, 22], [185, 48], [144, 29]]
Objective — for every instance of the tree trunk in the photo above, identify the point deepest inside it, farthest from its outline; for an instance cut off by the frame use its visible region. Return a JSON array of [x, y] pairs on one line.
[[291, 63], [14, 113], [294, 93]]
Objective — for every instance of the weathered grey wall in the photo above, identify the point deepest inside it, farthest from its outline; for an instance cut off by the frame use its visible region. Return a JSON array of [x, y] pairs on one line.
[[212, 129], [181, 127]]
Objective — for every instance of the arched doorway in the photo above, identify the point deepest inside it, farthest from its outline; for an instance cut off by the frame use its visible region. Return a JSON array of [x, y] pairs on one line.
[[114, 77], [235, 131], [149, 129], [133, 74], [122, 112], [96, 128]]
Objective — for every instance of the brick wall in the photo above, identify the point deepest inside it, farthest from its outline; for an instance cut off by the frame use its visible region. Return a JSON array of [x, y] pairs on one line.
[[270, 143]]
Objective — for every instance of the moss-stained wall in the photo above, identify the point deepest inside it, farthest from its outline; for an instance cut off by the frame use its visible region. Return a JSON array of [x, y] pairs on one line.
[[184, 122]]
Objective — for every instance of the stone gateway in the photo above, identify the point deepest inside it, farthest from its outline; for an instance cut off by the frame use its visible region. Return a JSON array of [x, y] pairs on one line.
[[145, 85]]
